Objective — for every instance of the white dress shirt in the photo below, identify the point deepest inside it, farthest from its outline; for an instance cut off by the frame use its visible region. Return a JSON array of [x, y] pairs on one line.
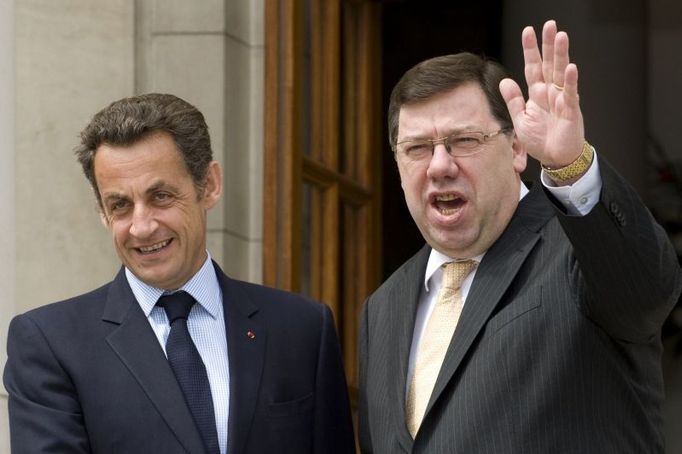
[[206, 325]]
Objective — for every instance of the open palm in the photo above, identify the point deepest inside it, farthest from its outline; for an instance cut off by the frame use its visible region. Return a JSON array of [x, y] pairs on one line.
[[550, 124]]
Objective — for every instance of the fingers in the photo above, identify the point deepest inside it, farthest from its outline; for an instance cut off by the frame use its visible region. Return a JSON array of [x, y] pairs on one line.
[[548, 75], [551, 65], [548, 36], [511, 92], [531, 57], [561, 59], [570, 77]]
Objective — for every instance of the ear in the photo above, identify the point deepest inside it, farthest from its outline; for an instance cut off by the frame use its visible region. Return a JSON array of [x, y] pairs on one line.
[[213, 188], [519, 155]]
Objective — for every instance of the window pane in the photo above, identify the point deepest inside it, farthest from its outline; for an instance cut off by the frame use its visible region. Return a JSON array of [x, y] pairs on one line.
[[307, 76], [306, 246], [311, 247]]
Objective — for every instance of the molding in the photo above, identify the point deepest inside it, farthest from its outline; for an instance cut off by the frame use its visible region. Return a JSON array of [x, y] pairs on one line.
[[7, 177]]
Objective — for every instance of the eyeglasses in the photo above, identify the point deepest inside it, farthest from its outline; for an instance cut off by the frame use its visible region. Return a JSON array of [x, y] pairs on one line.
[[459, 144]]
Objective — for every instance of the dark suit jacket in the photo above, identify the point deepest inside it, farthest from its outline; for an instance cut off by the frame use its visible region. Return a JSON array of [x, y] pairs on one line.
[[88, 375], [557, 349]]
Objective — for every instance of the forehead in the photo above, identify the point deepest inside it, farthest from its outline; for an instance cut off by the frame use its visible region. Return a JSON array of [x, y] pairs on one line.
[[463, 107], [152, 158]]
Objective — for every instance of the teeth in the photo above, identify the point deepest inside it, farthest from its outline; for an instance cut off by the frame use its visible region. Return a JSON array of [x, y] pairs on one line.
[[442, 199], [154, 247]]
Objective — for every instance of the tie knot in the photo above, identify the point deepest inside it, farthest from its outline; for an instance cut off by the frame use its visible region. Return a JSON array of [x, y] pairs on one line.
[[177, 305], [454, 273]]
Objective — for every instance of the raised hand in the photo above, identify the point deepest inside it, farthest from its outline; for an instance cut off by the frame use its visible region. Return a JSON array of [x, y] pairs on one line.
[[550, 124]]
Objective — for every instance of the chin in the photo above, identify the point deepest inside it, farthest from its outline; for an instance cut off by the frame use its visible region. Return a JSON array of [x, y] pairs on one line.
[[455, 247], [155, 279]]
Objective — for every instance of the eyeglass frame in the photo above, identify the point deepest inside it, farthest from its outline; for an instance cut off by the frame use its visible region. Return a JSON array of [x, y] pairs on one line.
[[444, 140]]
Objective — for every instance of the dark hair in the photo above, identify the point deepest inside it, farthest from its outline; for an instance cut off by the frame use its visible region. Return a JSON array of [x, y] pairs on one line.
[[129, 120], [440, 74]]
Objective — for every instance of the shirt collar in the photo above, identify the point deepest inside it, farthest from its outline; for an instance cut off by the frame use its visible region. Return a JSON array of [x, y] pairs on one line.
[[437, 259], [203, 287]]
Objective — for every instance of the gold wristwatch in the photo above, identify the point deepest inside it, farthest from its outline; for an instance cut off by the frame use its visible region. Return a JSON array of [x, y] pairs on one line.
[[574, 169]]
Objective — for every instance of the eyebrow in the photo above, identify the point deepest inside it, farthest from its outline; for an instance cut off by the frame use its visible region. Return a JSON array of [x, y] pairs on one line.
[[159, 185], [113, 196], [457, 130], [150, 190]]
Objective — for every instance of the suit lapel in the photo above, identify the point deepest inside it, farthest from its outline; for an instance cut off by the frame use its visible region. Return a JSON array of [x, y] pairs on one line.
[[246, 350], [138, 348], [404, 298], [496, 271]]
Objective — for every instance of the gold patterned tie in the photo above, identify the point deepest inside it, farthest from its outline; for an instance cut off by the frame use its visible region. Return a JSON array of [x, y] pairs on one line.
[[435, 341]]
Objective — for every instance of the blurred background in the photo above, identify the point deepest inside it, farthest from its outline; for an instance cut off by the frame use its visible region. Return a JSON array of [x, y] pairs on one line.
[[295, 94]]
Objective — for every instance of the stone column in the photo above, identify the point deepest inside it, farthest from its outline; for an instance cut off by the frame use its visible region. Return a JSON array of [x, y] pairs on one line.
[[211, 54], [7, 220]]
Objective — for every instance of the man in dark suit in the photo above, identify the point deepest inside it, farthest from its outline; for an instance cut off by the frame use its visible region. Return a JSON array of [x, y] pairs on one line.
[[530, 322], [249, 369]]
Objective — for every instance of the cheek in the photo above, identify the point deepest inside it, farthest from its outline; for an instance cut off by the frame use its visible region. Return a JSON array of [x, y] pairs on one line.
[[175, 216], [492, 172], [118, 231], [410, 180], [412, 193], [403, 177], [495, 192], [188, 220]]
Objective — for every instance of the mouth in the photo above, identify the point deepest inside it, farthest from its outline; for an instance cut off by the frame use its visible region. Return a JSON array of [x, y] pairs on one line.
[[447, 204], [154, 248]]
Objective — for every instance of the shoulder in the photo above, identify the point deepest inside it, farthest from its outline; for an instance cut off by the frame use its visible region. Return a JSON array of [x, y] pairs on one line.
[[274, 302], [292, 321], [60, 332], [411, 271], [273, 294], [67, 313]]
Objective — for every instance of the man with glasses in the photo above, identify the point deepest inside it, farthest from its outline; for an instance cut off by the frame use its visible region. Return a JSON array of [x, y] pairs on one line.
[[530, 320]]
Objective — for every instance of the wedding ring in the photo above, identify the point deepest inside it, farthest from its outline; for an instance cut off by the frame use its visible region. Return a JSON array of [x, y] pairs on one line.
[[558, 87]]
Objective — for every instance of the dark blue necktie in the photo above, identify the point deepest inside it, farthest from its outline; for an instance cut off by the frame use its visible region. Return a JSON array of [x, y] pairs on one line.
[[188, 367]]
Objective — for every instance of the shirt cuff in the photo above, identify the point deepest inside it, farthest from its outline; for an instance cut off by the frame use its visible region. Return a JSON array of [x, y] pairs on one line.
[[580, 197]]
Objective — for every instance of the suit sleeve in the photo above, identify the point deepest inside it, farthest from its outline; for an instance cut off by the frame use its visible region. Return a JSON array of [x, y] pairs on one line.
[[364, 434], [333, 424], [44, 412], [625, 260]]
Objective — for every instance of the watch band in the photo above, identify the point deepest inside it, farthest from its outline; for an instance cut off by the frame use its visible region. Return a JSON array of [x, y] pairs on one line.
[[574, 169]]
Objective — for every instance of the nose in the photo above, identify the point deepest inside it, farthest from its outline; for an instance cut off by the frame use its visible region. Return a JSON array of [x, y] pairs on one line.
[[143, 223], [442, 165]]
